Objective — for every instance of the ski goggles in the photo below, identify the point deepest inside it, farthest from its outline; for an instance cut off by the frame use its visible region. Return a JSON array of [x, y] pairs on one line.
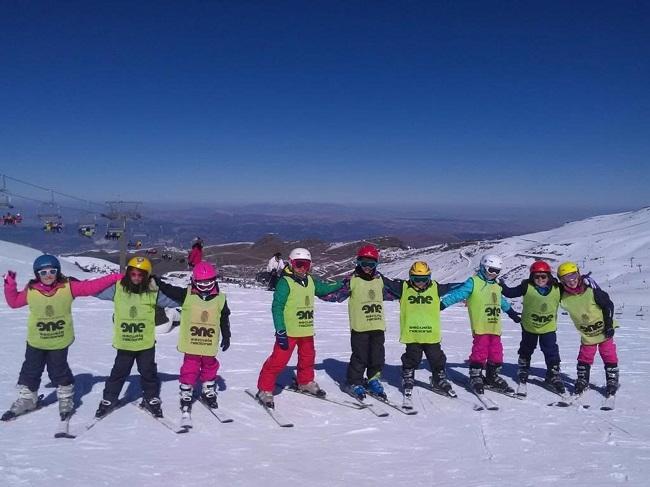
[[543, 275], [420, 278], [370, 263], [301, 264], [205, 285], [570, 277], [493, 270], [137, 273], [47, 272]]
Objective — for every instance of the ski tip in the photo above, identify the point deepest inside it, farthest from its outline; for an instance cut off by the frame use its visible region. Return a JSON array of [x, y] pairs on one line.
[[64, 435], [182, 430]]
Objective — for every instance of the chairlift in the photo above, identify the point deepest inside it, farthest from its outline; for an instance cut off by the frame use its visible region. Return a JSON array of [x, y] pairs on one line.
[[87, 227], [50, 215], [5, 200], [113, 232]]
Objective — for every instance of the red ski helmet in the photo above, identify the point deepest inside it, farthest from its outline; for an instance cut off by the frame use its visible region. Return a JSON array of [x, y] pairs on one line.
[[204, 271], [369, 252], [540, 266]]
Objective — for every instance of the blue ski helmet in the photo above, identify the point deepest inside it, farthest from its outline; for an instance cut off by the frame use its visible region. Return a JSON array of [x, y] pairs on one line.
[[45, 261]]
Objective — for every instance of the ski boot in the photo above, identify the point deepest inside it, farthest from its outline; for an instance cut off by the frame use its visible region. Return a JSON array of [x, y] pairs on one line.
[[475, 378], [439, 381], [105, 407], [153, 405], [524, 369], [376, 388], [312, 388], [357, 391], [186, 397], [209, 394], [265, 398], [553, 380], [611, 373], [408, 381], [582, 380], [27, 401], [65, 394], [494, 380]]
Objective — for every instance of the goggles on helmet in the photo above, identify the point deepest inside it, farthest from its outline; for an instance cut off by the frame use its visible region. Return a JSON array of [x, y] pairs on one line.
[[370, 263], [420, 278], [301, 264], [205, 285]]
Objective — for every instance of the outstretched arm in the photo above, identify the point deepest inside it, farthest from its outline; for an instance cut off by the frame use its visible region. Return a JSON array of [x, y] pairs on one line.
[[458, 294], [14, 298], [93, 287], [513, 292], [175, 293]]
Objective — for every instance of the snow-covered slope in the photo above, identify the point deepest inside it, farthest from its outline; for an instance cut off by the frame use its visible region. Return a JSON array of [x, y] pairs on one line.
[[525, 443], [614, 248]]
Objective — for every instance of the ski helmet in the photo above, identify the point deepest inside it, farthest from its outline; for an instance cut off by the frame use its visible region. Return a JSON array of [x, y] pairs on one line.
[[45, 261], [420, 268], [491, 260], [369, 252], [567, 268], [300, 253], [540, 266], [141, 263], [204, 271]]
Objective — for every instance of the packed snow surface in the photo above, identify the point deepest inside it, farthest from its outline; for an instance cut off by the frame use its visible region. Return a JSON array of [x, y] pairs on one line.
[[525, 443]]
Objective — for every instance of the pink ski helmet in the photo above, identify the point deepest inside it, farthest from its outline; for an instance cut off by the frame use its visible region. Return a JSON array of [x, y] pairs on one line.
[[204, 271]]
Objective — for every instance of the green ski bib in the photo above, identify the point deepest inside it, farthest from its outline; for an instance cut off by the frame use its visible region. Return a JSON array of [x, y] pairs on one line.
[[539, 314], [586, 316], [419, 316], [200, 331], [366, 304], [134, 320], [299, 308], [484, 306], [49, 326]]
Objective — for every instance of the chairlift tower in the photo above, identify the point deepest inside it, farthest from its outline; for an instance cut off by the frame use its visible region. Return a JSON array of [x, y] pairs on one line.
[[5, 200], [121, 212]]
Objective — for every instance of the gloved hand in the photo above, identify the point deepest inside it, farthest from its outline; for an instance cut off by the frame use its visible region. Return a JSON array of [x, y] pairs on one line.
[[442, 306], [282, 340], [609, 331], [514, 316], [10, 278], [225, 343]]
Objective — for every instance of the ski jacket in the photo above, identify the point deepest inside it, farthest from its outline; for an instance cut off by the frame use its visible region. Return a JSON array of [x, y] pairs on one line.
[[462, 292], [195, 256], [520, 290], [282, 290], [389, 292], [162, 300], [89, 287], [275, 265], [178, 295], [602, 299]]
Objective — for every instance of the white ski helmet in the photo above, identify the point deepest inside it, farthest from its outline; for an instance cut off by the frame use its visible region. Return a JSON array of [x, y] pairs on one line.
[[300, 253], [491, 260]]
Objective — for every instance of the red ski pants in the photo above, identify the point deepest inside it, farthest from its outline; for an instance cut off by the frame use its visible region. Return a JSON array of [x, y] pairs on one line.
[[607, 351], [487, 348], [280, 358], [197, 367]]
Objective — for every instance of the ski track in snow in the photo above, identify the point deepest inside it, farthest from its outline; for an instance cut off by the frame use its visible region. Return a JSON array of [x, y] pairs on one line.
[[525, 443]]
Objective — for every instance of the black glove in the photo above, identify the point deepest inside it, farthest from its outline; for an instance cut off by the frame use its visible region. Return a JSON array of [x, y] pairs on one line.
[[282, 340], [225, 343], [442, 306], [514, 316], [609, 331]]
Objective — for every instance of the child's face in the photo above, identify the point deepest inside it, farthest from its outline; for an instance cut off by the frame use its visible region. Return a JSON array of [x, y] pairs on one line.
[[368, 266], [571, 280], [47, 275], [136, 276]]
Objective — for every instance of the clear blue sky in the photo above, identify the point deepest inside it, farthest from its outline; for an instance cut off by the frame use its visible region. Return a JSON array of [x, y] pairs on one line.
[[479, 102]]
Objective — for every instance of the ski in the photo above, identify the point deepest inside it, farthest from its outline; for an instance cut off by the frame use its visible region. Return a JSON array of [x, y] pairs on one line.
[[374, 409], [346, 403], [217, 413], [609, 403], [565, 400], [186, 422], [63, 430], [10, 416], [522, 389], [277, 417], [391, 404], [407, 400], [488, 403], [441, 392], [508, 393], [163, 421]]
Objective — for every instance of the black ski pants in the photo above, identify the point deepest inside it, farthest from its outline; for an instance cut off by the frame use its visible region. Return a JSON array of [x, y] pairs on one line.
[[547, 342], [146, 362], [367, 355], [433, 352], [35, 361]]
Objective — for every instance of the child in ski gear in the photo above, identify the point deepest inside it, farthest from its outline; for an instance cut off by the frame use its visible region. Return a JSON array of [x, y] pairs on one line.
[[135, 299], [484, 304], [50, 330], [274, 268], [541, 293], [592, 313], [196, 253], [204, 319], [420, 325], [293, 319], [367, 290]]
